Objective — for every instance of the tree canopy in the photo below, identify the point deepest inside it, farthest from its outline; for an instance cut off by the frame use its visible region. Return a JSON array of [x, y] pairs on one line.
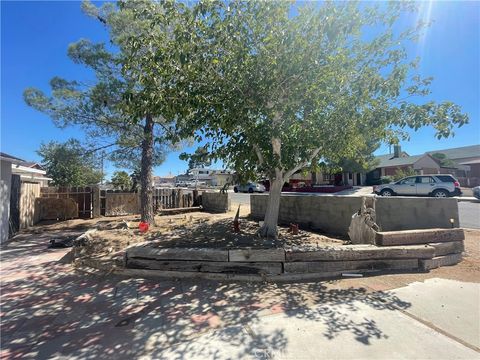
[[70, 164], [121, 180], [199, 159], [281, 87]]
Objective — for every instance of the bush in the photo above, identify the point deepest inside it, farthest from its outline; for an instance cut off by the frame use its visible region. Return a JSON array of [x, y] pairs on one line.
[[386, 179]]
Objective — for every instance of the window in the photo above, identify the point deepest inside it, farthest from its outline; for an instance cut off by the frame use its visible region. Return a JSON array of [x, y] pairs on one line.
[[446, 178], [350, 176], [408, 181], [425, 180]]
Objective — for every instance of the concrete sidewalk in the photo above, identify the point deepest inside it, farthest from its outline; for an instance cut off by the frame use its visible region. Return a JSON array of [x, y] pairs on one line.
[[51, 310]]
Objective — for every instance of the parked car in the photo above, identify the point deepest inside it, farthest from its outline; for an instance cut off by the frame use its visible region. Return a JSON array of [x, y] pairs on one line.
[[181, 183], [250, 187], [476, 192], [438, 185], [195, 183]]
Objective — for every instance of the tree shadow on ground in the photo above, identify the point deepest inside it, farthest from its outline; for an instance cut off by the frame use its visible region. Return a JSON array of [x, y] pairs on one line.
[[50, 309]]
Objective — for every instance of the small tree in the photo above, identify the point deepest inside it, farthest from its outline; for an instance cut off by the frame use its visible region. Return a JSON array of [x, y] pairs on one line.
[[199, 159], [444, 160], [121, 180], [402, 173], [278, 90], [69, 164]]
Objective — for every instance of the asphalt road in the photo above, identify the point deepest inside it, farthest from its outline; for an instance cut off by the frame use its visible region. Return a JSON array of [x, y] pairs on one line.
[[469, 211]]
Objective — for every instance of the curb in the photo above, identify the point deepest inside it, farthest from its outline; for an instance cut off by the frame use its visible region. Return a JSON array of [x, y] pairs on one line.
[[468, 199]]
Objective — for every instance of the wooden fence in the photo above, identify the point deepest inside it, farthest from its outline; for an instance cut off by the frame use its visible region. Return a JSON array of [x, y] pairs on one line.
[[93, 202], [29, 191], [83, 196], [172, 199]]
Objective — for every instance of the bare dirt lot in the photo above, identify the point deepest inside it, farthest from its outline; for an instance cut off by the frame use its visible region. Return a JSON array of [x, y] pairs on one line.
[[216, 230], [196, 229]]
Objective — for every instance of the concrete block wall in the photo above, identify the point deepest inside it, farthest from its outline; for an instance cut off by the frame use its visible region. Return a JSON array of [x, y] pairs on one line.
[[409, 213], [323, 213], [215, 202], [332, 214]]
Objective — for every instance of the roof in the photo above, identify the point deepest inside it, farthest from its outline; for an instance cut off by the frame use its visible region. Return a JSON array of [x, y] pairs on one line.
[[10, 158], [470, 162], [460, 152], [389, 160]]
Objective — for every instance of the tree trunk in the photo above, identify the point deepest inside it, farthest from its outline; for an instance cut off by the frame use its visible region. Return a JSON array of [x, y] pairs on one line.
[[146, 191], [269, 228]]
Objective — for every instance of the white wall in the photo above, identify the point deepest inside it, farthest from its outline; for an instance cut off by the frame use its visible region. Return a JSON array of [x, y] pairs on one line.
[[5, 183]]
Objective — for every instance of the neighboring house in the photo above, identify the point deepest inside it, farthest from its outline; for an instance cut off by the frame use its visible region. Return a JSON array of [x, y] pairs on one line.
[[389, 164], [467, 160], [222, 177], [211, 177], [466, 167], [31, 172], [159, 181]]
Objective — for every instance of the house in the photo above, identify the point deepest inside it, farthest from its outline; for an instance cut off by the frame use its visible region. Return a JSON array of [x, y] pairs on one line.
[[159, 181], [465, 167], [6, 162], [20, 185], [389, 164], [467, 160], [31, 172], [211, 177]]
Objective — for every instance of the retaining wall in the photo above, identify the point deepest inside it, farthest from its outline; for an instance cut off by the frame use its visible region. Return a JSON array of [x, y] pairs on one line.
[[298, 262], [215, 202], [332, 214]]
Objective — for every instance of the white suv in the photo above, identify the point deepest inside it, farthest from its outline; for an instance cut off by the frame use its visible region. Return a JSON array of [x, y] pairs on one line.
[[438, 185]]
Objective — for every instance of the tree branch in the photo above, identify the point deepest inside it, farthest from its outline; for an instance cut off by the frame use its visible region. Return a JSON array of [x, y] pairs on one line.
[[302, 164]]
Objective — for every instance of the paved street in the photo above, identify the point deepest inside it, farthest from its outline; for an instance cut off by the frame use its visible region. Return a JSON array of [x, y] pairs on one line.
[[51, 310]]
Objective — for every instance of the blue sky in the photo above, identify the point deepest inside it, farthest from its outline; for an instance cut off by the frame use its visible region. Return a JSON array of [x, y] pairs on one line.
[[35, 37]]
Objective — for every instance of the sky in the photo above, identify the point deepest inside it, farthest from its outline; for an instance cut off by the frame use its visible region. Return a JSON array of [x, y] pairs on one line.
[[35, 36]]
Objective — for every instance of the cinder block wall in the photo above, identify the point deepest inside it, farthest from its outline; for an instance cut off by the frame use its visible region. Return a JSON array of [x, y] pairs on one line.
[[332, 214], [215, 202], [408, 213]]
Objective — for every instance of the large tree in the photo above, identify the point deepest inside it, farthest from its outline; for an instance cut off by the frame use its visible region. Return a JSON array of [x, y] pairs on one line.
[[70, 164], [282, 87], [138, 88]]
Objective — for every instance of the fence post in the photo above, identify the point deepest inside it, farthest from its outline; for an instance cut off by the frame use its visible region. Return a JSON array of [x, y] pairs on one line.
[[96, 202]]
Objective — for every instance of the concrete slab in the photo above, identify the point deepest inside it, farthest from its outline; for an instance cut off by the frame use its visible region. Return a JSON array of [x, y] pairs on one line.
[[452, 306], [357, 330]]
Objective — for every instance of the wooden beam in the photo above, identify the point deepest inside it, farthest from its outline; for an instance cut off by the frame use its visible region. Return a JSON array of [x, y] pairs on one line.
[[253, 255], [361, 252], [332, 266], [447, 248], [411, 237], [206, 266], [438, 261], [147, 251]]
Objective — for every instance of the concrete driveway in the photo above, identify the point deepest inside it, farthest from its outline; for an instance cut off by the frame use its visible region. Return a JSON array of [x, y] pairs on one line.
[[51, 310]]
